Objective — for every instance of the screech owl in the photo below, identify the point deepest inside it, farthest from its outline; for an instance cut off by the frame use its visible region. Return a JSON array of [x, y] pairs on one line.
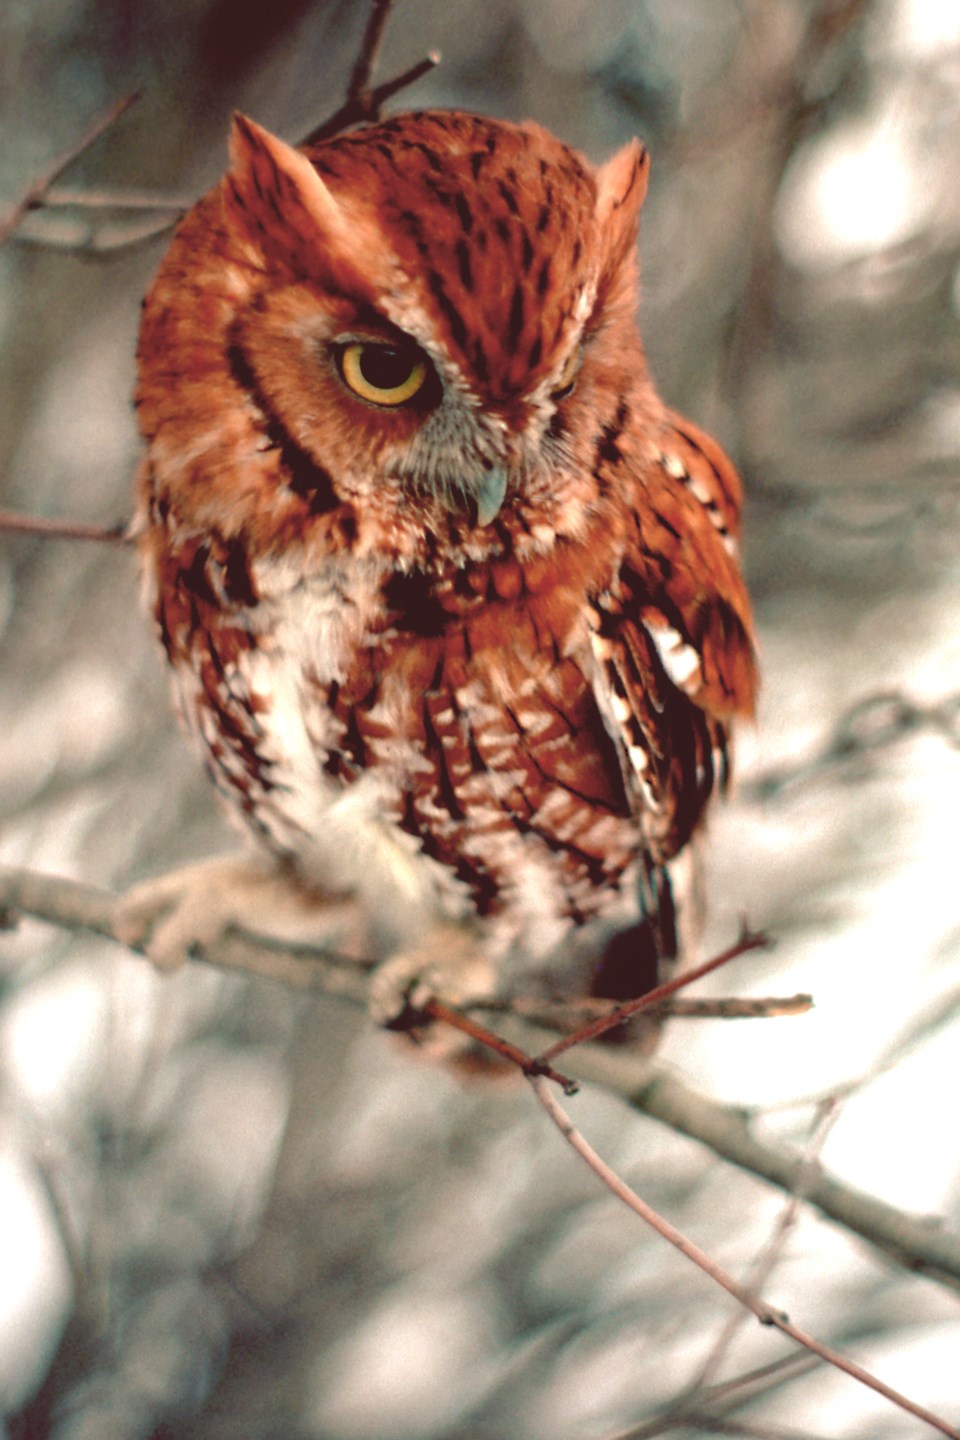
[[451, 598]]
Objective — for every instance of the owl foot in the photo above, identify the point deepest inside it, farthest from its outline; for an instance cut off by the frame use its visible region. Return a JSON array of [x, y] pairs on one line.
[[447, 966], [176, 915]]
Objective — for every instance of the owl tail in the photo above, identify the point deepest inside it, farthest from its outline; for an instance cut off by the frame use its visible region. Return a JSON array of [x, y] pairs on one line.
[[664, 940]]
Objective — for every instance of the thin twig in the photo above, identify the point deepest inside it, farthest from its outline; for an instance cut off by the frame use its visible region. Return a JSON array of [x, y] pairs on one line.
[[716, 1425], [921, 1243], [734, 1007], [764, 1265], [434, 1009], [365, 65], [754, 1382], [765, 1313], [11, 522], [59, 197], [104, 243], [731, 1394], [364, 104], [931, 1019], [366, 109], [628, 1009], [35, 193], [568, 1015]]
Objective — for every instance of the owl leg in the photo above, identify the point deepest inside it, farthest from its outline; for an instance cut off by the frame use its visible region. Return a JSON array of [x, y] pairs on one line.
[[173, 916]]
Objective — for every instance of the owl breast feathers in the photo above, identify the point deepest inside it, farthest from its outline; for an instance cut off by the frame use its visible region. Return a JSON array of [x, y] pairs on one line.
[[451, 598]]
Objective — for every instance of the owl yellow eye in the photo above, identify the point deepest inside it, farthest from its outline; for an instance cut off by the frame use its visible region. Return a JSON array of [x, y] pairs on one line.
[[382, 374], [568, 375]]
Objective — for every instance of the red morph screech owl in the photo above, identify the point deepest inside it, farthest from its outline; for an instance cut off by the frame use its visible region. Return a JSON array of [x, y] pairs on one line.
[[450, 596]]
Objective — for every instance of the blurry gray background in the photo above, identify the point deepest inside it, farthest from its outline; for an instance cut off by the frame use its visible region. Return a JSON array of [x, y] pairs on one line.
[[226, 1211]]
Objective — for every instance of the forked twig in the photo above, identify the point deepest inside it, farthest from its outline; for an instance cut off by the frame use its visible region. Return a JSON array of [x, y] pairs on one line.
[[765, 1313], [367, 61], [730, 1393], [433, 1009], [34, 195], [532, 1065], [620, 1014], [364, 104], [761, 1270]]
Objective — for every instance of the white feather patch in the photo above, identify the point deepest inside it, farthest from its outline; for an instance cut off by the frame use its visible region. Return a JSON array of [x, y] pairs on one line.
[[679, 659], [620, 709], [699, 489]]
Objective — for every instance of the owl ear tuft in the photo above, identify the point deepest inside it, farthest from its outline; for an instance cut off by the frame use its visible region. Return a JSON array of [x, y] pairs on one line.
[[275, 197], [621, 188]]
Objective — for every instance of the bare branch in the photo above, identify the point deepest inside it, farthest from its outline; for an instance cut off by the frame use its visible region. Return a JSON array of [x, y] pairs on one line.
[[13, 523], [750, 1007], [569, 1016], [34, 196], [729, 1395], [764, 1265], [61, 198], [435, 1009], [367, 108], [626, 1011], [366, 62], [78, 907], [765, 1313], [99, 242], [919, 1244], [364, 104]]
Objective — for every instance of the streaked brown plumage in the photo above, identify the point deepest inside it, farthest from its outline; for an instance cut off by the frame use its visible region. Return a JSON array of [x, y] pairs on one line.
[[474, 651]]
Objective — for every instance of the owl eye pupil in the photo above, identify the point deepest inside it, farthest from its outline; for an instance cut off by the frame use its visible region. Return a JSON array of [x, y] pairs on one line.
[[384, 366]]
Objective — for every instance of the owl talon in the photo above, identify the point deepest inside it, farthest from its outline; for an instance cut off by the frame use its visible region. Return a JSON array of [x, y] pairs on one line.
[[447, 967], [176, 915], [405, 1011]]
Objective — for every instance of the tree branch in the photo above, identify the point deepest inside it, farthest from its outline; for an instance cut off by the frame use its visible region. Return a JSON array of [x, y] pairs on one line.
[[917, 1243], [12, 522], [364, 103], [767, 1314], [35, 194]]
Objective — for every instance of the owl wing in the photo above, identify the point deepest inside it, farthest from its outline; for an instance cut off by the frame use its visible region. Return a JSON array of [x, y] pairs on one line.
[[672, 636]]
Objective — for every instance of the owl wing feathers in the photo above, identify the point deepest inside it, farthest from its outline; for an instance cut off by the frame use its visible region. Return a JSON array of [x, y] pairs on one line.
[[672, 637]]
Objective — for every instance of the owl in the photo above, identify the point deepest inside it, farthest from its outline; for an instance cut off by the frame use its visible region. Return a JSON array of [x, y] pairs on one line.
[[451, 598]]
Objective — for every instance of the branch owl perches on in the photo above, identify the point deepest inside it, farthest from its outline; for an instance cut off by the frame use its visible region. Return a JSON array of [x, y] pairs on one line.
[[451, 598]]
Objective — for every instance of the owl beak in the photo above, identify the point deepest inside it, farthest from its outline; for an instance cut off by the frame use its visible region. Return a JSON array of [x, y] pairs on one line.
[[489, 494]]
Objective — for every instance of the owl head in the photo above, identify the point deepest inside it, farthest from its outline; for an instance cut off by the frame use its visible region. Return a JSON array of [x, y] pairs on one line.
[[409, 328]]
